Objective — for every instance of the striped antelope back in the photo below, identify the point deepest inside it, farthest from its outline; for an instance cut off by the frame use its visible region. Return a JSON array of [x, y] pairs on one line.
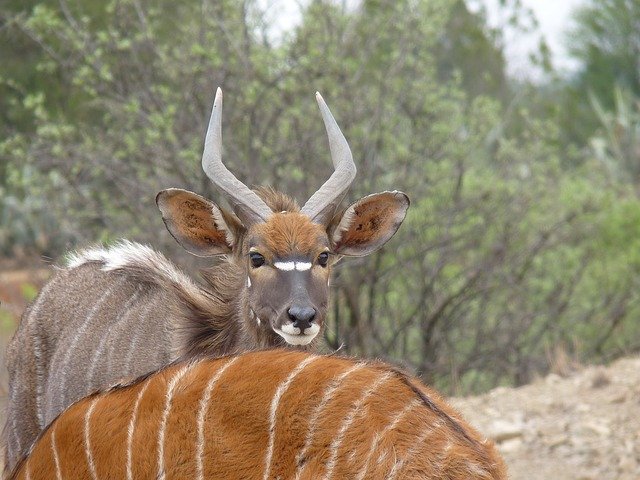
[[264, 415], [121, 312]]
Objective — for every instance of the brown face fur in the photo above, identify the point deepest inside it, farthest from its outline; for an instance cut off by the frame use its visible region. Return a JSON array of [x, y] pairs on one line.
[[286, 259], [292, 276], [289, 233]]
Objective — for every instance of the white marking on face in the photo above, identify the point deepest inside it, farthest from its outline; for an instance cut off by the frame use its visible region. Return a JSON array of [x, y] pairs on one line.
[[290, 266], [202, 412], [248, 282], [285, 266], [292, 334], [274, 409], [290, 329]]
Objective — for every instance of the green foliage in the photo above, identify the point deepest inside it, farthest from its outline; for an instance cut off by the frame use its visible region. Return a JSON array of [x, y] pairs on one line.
[[617, 142], [469, 49], [7, 322], [510, 248], [29, 291], [605, 42]]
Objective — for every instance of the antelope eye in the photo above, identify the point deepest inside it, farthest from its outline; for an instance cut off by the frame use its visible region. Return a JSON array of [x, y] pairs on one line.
[[257, 260], [323, 259]]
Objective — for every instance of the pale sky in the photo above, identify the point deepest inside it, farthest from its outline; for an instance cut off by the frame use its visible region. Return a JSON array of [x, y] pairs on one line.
[[554, 20], [553, 17]]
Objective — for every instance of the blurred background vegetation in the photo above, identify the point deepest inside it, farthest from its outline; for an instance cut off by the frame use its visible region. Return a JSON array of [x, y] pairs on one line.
[[521, 251]]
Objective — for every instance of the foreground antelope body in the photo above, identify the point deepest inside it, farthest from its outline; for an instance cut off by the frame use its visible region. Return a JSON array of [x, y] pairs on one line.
[[264, 415], [121, 312]]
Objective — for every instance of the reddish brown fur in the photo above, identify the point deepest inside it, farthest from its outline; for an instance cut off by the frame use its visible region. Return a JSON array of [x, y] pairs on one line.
[[199, 221], [237, 426], [372, 215], [287, 234], [131, 299]]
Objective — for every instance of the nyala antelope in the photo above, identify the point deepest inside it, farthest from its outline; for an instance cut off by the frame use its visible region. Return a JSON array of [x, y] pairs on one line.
[[121, 312], [264, 415]]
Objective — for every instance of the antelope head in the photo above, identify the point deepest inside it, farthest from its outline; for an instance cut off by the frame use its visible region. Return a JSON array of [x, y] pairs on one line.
[[285, 252]]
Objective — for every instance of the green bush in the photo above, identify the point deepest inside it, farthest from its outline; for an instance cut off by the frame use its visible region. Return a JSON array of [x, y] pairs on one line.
[[508, 249]]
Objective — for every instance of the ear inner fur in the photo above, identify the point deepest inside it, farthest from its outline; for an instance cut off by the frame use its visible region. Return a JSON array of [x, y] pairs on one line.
[[195, 222], [369, 223]]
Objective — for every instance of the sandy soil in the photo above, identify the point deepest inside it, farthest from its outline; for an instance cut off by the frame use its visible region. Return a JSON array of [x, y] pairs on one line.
[[582, 427]]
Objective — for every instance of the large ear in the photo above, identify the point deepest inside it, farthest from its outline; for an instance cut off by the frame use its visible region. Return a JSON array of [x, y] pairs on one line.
[[199, 225], [369, 223]]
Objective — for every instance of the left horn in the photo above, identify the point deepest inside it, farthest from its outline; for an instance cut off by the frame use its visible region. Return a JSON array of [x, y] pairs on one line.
[[322, 204], [249, 207]]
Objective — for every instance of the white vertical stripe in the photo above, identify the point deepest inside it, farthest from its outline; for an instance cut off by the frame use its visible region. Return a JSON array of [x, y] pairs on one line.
[[383, 457], [108, 336], [27, 468], [131, 429], [417, 445], [87, 439], [380, 435], [37, 350], [352, 457], [475, 470], [202, 412], [14, 431], [37, 353], [326, 398], [56, 459], [282, 388], [165, 415], [133, 345], [337, 441], [63, 367]]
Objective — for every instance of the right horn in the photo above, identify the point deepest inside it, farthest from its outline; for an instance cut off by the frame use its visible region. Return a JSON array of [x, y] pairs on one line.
[[322, 204], [249, 207]]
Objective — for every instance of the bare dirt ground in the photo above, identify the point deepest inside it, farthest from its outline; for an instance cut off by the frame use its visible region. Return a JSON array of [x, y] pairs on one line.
[[583, 426]]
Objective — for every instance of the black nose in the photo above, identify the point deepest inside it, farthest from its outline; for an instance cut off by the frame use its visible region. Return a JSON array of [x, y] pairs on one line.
[[302, 317]]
